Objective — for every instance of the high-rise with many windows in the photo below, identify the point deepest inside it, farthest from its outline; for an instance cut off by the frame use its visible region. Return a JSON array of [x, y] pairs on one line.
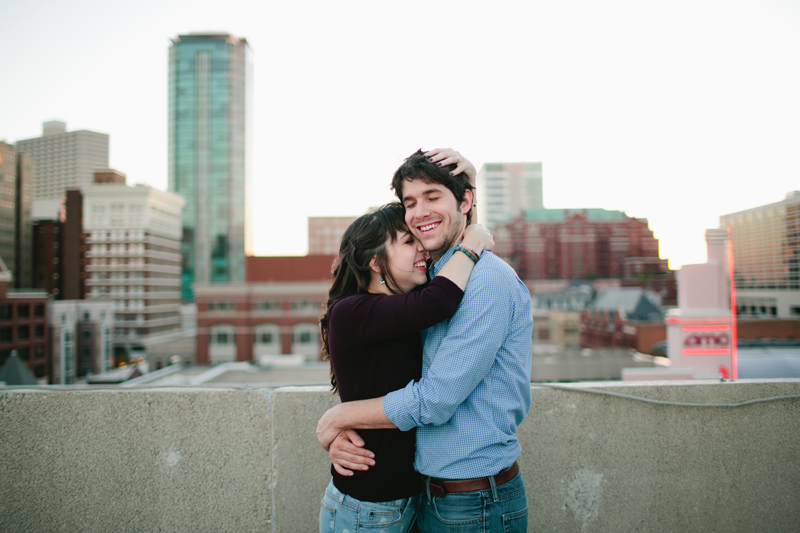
[[64, 159], [132, 258], [766, 257], [507, 189], [209, 87], [16, 190]]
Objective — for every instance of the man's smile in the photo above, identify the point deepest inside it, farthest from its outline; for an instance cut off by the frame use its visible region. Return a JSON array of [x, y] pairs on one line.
[[428, 227]]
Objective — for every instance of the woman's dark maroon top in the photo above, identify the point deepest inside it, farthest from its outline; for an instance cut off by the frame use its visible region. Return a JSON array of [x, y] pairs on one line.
[[375, 348]]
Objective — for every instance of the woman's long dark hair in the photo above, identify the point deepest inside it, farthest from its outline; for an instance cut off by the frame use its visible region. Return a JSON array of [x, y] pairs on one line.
[[364, 239]]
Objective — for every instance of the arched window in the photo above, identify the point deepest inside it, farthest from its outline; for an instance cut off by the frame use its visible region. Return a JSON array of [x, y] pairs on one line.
[[266, 340], [305, 341], [221, 344]]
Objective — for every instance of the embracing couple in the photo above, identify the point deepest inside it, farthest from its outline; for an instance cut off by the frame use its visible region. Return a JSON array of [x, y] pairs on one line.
[[434, 376]]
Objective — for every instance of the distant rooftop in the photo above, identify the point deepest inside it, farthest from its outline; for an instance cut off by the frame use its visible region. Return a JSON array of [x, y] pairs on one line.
[[636, 303], [208, 35], [595, 214]]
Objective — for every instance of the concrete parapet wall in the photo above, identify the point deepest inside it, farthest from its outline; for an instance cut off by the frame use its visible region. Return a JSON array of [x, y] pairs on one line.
[[189, 459]]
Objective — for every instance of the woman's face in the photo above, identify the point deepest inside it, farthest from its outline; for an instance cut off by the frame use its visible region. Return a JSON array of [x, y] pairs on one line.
[[406, 260]]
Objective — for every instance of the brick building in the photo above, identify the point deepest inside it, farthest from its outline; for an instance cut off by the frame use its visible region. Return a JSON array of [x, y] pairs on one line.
[[585, 243], [59, 250], [23, 324], [274, 312]]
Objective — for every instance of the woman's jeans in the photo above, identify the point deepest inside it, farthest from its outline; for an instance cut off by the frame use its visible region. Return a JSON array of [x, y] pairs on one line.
[[340, 513], [496, 509]]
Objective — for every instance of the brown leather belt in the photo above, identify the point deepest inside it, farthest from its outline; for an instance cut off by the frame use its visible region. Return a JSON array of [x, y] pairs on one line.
[[440, 487]]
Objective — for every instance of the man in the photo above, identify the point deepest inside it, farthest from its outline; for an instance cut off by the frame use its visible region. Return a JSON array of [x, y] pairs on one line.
[[475, 386]]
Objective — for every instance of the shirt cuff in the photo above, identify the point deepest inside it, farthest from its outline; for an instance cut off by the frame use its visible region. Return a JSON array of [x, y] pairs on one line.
[[395, 407]]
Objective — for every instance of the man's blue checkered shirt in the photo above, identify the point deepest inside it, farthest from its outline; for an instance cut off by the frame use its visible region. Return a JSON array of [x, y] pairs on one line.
[[475, 387]]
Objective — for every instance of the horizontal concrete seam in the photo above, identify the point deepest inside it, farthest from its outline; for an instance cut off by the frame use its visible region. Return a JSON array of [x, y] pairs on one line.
[[667, 402]]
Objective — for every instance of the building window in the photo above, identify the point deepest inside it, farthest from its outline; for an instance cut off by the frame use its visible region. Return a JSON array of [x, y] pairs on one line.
[[38, 310], [6, 334], [267, 305], [222, 334], [5, 312], [23, 311], [303, 305], [221, 306], [38, 331]]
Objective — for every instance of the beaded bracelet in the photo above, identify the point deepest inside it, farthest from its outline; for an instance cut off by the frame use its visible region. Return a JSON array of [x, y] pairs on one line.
[[476, 254], [469, 254]]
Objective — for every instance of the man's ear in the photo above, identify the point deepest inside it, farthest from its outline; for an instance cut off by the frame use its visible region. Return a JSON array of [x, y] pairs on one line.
[[466, 203]]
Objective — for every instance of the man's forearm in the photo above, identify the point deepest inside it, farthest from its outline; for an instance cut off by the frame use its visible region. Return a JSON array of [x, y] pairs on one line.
[[360, 414]]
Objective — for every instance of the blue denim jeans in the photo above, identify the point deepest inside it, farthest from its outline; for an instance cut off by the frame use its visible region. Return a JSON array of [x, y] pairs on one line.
[[343, 514], [496, 509]]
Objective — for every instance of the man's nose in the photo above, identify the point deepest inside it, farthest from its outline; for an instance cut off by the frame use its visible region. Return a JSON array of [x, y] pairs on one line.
[[421, 211]]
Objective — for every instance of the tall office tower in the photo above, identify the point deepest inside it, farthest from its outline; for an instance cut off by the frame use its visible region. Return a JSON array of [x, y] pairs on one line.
[[766, 257], [8, 192], [16, 239], [133, 258], [209, 90], [507, 189], [64, 160], [23, 267]]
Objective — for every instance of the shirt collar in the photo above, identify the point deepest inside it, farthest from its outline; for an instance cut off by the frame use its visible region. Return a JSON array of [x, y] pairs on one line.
[[436, 267]]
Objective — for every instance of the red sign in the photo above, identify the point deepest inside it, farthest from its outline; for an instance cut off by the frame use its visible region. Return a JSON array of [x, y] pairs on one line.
[[706, 340]]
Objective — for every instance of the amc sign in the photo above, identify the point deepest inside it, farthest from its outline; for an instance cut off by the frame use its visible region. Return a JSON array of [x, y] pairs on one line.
[[706, 340]]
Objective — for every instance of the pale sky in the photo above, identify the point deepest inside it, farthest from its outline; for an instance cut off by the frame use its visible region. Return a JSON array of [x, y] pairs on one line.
[[677, 111]]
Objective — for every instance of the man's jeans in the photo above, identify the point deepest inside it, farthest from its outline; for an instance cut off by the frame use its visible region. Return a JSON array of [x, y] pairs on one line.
[[502, 509], [341, 513]]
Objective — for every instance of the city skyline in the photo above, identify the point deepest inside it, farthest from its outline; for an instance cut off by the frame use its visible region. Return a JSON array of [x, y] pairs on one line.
[[678, 114]]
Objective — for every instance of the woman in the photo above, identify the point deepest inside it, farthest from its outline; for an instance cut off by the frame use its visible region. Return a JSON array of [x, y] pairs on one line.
[[370, 333]]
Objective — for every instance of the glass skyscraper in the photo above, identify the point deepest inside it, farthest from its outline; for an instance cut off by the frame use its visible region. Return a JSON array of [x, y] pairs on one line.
[[209, 90]]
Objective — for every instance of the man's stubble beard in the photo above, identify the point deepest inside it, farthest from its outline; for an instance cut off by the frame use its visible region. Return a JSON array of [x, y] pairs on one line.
[[449, 240]]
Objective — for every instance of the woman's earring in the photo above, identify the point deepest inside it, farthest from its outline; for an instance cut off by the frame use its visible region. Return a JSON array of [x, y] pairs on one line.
[[382, 280]]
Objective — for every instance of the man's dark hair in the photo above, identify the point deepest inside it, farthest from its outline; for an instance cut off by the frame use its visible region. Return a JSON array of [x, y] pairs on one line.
[[417, 166]]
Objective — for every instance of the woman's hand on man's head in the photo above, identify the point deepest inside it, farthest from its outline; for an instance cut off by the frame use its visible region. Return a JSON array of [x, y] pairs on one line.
[[448, 156]]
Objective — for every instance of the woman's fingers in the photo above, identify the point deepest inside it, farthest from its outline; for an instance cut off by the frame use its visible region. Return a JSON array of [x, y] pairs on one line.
[[446, 156]]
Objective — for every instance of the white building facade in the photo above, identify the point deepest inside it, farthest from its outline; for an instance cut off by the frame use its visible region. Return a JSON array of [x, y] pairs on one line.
[[506, 189], [766, 258], [133, 239], [64, 160], [80, 338]]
